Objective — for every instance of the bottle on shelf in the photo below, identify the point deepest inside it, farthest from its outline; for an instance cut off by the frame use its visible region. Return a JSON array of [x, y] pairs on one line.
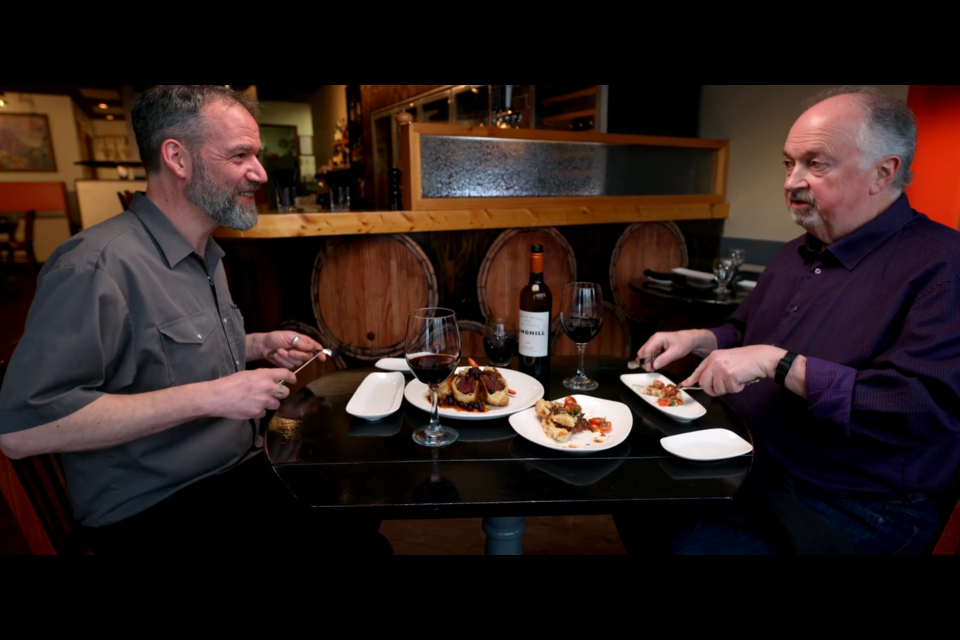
[[536, 307]]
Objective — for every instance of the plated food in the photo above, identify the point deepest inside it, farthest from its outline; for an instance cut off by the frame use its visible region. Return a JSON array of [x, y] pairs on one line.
[[654, 388], [473, 389], [527, 389], [668, 395], [561, 421], [614, 417]]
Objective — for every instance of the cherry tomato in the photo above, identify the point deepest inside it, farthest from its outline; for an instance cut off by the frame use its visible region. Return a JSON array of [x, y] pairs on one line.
[[606, 428], [665, 402]]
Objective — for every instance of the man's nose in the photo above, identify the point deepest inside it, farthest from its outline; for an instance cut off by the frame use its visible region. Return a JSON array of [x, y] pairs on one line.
[[258, 173], [796, 179]]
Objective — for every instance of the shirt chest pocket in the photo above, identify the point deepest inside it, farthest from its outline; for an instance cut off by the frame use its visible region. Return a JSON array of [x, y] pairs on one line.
[[192, 349]]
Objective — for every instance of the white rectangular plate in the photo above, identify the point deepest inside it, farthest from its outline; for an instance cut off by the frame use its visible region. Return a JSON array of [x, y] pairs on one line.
[[528, 425], [393, 364], [527, 388], [380, 395], [691, 409], [707, 446], [749, 285], [695, 275]]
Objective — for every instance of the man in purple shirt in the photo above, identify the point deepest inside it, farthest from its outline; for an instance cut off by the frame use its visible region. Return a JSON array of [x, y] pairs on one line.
[[854, 333]]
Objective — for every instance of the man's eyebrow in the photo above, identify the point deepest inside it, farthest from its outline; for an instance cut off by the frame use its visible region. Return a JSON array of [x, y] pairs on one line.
[[242, 147]]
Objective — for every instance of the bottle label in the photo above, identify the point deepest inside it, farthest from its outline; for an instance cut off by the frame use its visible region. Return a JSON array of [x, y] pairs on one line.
[[535, 334]]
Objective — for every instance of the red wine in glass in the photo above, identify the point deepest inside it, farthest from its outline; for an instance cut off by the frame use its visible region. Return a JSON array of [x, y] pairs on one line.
[[581, 330], [433, 353], [581, 315], [433, 370]]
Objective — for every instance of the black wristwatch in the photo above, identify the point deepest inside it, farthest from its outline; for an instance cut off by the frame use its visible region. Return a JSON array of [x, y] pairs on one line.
[[783, 368]]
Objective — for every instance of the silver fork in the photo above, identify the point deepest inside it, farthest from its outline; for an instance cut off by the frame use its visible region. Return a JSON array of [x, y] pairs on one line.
[[700, 389], [636, 363]]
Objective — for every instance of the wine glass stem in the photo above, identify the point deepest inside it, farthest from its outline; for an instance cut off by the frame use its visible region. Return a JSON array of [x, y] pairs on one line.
[[581, 349], [435, 429]]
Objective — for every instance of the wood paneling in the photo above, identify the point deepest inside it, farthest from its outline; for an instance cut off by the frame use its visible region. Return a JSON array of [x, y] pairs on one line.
[[302, 225]]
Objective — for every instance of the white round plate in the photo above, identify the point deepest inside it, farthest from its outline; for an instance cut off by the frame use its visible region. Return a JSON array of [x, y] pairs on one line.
[[527, 388], [393, 364], [707, 446], [528, 425]]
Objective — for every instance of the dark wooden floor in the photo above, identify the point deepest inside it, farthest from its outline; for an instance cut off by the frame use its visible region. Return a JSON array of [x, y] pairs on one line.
[[594, 535]]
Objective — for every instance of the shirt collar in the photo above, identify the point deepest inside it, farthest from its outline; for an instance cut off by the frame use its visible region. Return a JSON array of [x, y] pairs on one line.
[[852, 249], [174, 246]]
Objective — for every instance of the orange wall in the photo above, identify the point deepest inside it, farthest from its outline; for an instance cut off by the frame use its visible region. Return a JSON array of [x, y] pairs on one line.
[[936, 186]]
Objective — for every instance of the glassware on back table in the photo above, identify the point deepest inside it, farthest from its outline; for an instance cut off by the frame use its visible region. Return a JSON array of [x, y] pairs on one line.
[[724, 269], [500, 339], [581, 316], [433, 353], [738, 256]]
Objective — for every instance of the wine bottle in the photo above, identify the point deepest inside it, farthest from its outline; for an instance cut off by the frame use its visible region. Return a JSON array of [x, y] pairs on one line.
[[536, 307]]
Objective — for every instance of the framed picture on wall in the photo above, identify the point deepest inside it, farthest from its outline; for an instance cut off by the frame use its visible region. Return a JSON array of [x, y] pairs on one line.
[[25, 143]]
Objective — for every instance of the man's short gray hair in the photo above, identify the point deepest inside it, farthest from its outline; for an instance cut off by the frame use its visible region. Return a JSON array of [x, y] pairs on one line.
[[174, 111], [889, 128]]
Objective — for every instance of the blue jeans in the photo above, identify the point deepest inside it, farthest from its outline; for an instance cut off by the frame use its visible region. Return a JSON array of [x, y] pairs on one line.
[[874, 528]]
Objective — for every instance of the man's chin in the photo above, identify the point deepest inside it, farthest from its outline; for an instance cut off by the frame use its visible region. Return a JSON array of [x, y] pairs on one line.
[[807, 220]]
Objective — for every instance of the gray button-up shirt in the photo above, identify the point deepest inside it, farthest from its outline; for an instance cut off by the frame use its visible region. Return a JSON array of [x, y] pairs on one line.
[[128, 307]]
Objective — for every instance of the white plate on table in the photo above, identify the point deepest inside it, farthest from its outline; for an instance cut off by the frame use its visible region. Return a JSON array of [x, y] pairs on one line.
[[701, 276], [748, 285], [380, 395], [691, 409], [393, 364], [707, 446], [528, 425], [527, 388]]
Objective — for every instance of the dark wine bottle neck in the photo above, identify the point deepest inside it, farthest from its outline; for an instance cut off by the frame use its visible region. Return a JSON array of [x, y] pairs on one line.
[[536, 278]]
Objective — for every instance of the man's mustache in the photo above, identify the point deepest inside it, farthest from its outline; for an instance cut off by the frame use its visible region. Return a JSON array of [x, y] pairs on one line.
[[803, 195]]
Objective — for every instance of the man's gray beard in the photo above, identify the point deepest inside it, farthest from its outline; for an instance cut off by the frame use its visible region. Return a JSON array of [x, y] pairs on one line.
[[221, 203], [806, 219]]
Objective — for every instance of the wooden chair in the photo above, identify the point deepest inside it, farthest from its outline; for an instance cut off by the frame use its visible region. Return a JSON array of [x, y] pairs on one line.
[[36, 490]]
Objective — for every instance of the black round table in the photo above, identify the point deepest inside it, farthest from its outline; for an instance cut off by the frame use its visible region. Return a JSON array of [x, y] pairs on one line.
[[339, 463]]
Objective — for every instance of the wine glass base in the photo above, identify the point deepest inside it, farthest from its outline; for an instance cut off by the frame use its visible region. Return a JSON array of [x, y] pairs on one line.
[[435, 440], [581, 384]]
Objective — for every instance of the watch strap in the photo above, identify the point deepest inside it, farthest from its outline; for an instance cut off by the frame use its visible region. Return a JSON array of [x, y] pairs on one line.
[[783, 368]]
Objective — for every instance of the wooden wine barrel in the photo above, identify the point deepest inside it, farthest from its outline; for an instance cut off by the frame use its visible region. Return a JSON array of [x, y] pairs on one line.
[[658, 246], [315, 369], [505, 270], [471, 340], [614, 338], [364, 289]]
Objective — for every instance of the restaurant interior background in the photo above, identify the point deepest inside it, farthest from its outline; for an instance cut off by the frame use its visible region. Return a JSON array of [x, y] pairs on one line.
[[348, 135]]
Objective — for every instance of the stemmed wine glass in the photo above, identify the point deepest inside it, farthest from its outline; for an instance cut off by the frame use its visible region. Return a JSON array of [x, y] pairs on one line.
[[724, 269], [581, 317], [738, 256], [433, 353]]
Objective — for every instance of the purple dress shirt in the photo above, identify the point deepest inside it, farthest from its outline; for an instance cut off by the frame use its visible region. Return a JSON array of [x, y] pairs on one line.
[[877, 314]]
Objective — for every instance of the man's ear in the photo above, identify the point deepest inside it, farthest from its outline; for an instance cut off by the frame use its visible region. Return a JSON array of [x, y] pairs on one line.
[[176, 158], [886, 171]]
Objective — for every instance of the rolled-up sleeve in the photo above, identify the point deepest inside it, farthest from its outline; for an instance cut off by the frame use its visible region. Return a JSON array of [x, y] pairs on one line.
[[909, 393], [76, 340]]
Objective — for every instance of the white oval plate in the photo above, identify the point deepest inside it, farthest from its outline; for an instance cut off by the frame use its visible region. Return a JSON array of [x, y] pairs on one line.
[[707, 446], [393, 364], [527, 388], [749, 285], [691, 409], [380, 395], [528, 425], [695, 275]]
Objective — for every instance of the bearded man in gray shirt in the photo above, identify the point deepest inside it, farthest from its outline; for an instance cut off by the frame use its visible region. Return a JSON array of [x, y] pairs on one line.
[[133, 362]]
